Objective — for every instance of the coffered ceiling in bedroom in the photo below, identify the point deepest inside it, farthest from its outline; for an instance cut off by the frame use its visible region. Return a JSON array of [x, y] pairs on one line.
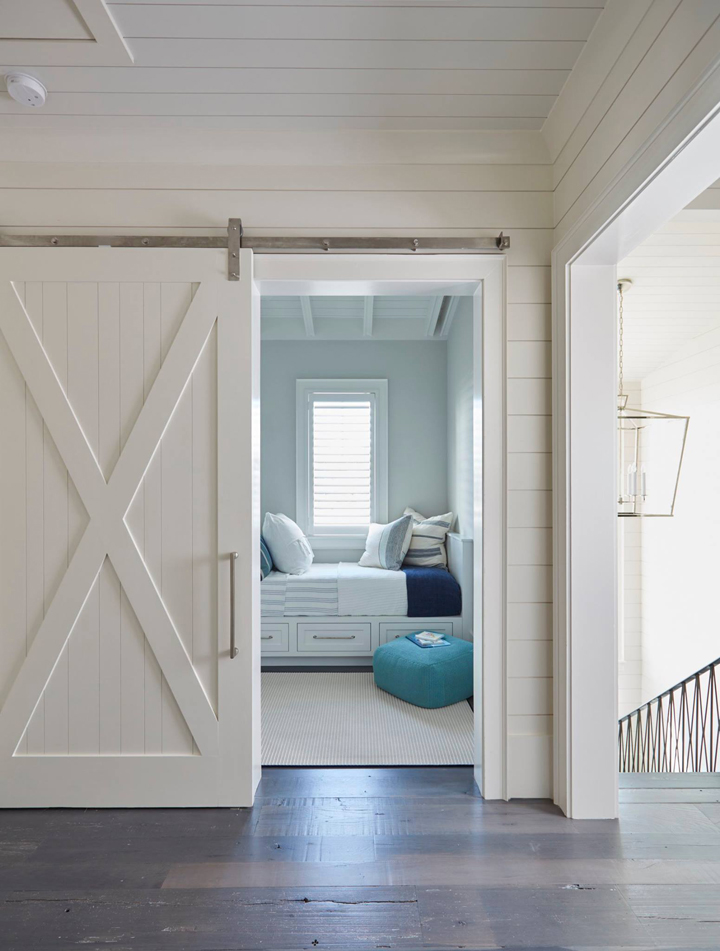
[[293, 64], [358, 318]]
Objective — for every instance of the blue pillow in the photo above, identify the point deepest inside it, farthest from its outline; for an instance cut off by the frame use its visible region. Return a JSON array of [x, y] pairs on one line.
[[266, 562]]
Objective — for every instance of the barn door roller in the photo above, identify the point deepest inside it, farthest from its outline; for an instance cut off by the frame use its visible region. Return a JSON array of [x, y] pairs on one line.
[[235, 240]]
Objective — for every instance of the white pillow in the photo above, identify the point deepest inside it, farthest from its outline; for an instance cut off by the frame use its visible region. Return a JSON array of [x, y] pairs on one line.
[[386, 545], [289, 548], [427, 545]]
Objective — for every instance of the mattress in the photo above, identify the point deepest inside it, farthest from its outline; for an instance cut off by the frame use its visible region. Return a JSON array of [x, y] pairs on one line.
[[347, 590]]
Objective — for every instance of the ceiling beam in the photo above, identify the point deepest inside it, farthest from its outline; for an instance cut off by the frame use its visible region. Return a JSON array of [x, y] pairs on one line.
[[449, 317], [307, 316], [368, 317], [433, 314]]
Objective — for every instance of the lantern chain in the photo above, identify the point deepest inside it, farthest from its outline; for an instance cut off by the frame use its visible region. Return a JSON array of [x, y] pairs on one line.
[[621, 330]]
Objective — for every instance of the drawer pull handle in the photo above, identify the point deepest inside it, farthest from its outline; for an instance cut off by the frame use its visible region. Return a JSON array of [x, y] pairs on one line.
[[266, 637], [333, 637]]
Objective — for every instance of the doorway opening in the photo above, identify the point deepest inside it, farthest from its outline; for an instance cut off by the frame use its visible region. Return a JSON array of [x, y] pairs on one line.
[[621, 481], [371, 494], [667, 607], [367, 429]]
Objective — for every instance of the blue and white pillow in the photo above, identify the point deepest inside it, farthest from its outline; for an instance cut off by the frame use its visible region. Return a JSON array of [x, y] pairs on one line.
[[387, 545], [266, 562], [427, 543]]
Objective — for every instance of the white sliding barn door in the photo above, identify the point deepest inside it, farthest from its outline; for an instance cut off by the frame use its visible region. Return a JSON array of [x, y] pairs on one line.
[[128, 472]]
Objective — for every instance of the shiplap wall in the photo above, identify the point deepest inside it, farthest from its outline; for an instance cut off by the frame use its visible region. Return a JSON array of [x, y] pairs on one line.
[[642, 58], [486, 184]]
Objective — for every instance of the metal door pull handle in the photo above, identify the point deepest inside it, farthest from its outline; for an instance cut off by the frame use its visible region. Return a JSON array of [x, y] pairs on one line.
[[266, 637], [233, 647], [333, 637]]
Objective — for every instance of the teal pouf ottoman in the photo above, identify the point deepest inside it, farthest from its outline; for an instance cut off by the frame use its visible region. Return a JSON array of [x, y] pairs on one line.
[[425, 676]]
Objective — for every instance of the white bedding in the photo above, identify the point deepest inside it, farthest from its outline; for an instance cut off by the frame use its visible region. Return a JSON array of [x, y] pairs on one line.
[[335, 590], [314, 593], [371, 591]]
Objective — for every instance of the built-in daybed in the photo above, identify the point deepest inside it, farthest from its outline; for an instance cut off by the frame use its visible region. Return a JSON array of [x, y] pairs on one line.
[[343, 610]]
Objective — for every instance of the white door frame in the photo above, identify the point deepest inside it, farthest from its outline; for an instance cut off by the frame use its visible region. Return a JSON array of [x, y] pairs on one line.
[[225, 769], [673, 166], [485, 277]]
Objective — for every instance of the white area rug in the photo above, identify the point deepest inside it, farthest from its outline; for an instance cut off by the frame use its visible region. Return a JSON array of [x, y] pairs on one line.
[[343, 719]]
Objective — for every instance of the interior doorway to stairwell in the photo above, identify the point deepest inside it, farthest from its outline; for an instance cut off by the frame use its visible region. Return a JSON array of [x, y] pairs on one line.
[[638, 426], [669, 493]]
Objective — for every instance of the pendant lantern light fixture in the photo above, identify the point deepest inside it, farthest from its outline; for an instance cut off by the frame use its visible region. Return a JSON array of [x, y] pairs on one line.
[[650, 448]]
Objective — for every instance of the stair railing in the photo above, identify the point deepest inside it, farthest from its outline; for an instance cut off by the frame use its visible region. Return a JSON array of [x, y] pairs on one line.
[[676, 732]]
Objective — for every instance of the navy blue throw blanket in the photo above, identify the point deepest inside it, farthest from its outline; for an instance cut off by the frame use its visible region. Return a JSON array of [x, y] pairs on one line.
[[432, 592]]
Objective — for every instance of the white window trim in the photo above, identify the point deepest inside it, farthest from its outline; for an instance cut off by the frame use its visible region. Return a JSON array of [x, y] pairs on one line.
[[304, 389]]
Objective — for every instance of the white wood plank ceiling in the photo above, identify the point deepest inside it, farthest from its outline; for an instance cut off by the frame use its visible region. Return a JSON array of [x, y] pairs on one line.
[[676, 290], [295, 64], [357, 318]]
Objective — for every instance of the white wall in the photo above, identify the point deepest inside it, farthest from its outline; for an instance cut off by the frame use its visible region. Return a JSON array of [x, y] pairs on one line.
[[681, 610], [416, 372], [630, 602], [460, 417]]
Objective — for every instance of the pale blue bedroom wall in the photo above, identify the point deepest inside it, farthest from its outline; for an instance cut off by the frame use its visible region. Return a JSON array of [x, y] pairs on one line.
[[417, 407], [460, 417]]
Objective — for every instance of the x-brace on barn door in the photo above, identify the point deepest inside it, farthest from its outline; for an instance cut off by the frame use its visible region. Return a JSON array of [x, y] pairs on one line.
[[128, 382]]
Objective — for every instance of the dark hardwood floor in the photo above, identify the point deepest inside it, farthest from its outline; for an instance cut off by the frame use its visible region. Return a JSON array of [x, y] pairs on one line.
[[365, 859]]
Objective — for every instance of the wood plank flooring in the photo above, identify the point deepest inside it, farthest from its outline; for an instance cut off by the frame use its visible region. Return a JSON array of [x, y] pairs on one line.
[[366, 859]]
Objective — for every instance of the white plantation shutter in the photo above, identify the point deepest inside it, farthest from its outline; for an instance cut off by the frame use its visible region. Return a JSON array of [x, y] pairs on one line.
[[342, 462], [341, 458]]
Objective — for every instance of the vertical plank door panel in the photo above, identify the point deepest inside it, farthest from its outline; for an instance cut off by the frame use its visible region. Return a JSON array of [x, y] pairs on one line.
[[13, 555], [110, 659], [56, 545], [204, 517], [176, 482], [35, 497], [84, 644], [152, 530], [132, 393]]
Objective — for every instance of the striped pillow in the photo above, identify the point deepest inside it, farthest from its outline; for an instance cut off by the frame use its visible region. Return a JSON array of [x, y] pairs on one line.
[[266, 562], [386, 545], [427, 545]]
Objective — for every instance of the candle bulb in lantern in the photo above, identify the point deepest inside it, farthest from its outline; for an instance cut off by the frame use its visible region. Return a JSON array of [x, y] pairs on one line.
[[643, 482], [632, 480]]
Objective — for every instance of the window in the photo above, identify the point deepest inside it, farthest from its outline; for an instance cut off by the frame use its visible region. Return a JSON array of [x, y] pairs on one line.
[[341, 459]]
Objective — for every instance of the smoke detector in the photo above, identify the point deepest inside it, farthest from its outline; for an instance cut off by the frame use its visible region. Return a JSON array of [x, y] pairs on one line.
[[26, 90]]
